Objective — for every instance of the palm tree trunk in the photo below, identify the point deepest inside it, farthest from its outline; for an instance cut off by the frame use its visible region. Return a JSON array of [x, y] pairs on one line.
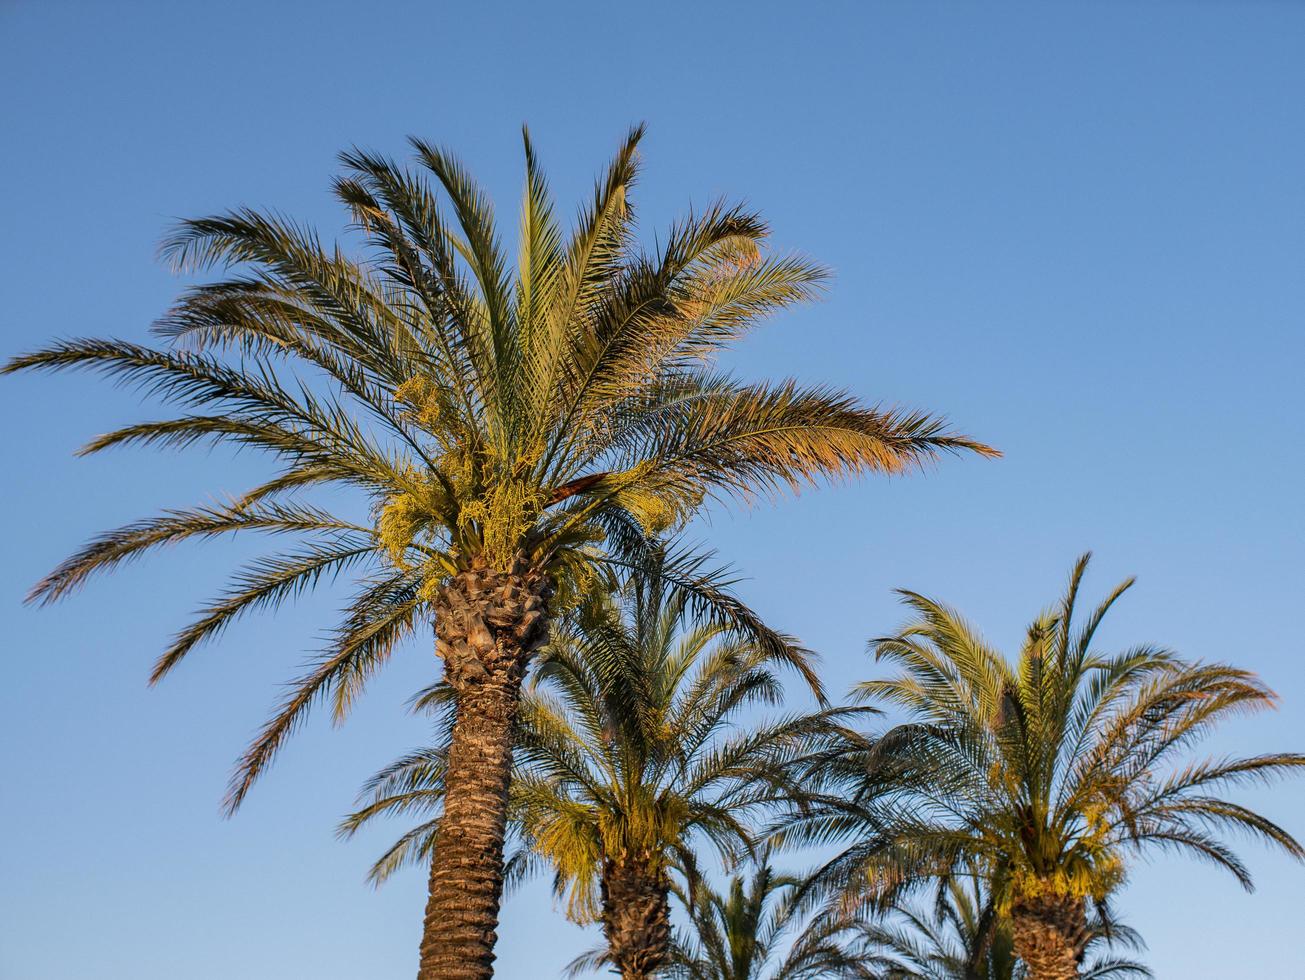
[[487, 623], [1050, 933], [984, 934], [636, 918]]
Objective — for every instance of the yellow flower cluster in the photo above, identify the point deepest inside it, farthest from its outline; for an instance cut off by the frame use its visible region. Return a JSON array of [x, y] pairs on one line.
[[505, 514], [424, 401], [399, 522]]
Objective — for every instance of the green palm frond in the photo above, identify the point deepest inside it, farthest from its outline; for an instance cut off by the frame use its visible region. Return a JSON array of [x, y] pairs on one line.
[[380, 617], [753, 930]]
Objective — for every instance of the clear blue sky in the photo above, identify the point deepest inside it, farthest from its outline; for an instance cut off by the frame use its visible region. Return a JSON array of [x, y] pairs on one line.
[[1077, 229]]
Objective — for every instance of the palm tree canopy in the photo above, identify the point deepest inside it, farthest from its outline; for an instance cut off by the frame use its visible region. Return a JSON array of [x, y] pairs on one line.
[[755, 930], [629, 746], [552, 407], [1052, 770], [634, 748], [959, 937]]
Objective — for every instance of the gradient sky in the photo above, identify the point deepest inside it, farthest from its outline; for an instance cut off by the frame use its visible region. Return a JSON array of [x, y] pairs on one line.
[[1076, 229]]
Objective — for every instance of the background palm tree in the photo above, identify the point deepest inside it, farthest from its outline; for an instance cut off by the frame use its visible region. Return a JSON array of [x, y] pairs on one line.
[[517, 426], [1052, 771], [959, 936], [630, 753], [756, 931]]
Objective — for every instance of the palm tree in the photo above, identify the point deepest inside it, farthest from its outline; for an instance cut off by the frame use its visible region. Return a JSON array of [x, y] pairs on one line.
[[629, 752], [1052, 771], [516, 427], [747, 933], [959, 937]]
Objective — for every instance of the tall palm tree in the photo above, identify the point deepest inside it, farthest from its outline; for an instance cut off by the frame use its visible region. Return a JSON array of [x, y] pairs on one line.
[[1053, 771], [515, 425], [755, 931], [959, 937], [629, 754]]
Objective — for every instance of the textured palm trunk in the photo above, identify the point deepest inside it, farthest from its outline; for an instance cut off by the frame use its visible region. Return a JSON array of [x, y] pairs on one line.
[[636, 918], [1050, 933], [487, 624]]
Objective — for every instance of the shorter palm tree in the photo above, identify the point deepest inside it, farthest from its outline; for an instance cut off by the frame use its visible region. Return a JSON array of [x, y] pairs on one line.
[[628, 756], [960, 937], [755, 930], [1053, 771]]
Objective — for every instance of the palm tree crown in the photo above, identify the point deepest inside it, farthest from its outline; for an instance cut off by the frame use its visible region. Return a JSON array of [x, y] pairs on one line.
[[1052, 771], [755, 930], [959, 936], [550, 410]]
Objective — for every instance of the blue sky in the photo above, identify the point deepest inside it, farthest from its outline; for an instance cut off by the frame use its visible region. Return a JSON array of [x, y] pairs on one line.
[[1076, 229]]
